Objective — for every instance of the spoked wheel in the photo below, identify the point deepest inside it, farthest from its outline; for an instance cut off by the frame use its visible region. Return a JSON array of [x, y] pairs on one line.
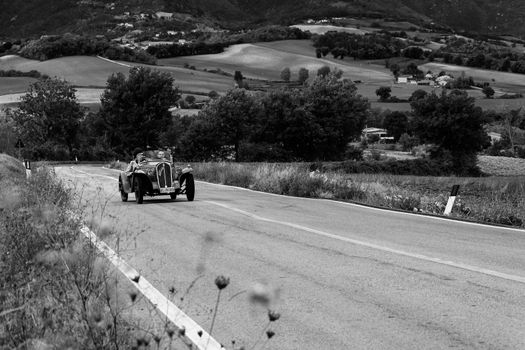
[[189, 184], [123, 195], [139, 190]]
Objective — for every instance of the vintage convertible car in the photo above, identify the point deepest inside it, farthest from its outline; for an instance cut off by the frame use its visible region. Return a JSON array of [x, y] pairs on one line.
[[155, 175]]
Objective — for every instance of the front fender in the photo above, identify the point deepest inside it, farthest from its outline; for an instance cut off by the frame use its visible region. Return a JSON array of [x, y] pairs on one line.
[[146, 182], [124, 182]]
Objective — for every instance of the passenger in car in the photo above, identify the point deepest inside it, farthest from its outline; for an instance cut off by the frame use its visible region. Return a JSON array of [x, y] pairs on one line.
[[134, 162]]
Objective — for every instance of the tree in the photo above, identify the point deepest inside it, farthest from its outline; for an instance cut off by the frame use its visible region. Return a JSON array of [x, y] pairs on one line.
[[238, 78], [454, 125], [135, 109], [413, 52], [407, 142], [49, 114], [286, 74], [396, 123], [323, 71], [190, 99], [232, 116], [303, 75], [338, 110], [384, 93], [417, 94], [458, 61], [488, 91]]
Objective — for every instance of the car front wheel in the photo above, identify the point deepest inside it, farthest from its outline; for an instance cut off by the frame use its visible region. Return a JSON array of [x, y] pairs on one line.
[[123, 195], [190, 187], [139, 190]]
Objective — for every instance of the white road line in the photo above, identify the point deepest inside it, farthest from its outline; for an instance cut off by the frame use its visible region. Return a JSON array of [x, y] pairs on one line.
[[467, 267], [156, 298]]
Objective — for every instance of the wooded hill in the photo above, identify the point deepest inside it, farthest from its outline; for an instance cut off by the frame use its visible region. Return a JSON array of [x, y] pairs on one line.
[[36, 17]]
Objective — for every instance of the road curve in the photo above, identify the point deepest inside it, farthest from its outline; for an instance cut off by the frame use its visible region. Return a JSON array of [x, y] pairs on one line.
[[349, 277]]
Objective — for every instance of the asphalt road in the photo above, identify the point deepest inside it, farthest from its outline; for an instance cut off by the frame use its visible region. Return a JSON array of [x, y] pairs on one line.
[[345, 276]]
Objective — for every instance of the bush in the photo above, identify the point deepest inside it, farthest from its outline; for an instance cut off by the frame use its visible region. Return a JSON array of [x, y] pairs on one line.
[[417, 167], [407, 141], [353, 153], [16, 73]]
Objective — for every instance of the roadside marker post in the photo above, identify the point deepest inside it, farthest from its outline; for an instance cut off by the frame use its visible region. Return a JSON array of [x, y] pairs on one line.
[[27, 164], [451, 200]]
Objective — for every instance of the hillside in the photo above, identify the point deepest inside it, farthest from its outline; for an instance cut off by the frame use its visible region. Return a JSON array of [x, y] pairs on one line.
[[36, 17]]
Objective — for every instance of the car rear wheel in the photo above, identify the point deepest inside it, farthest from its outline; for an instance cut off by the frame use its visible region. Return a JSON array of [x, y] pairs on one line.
[[139, 190], [123, 195], [190, 187]]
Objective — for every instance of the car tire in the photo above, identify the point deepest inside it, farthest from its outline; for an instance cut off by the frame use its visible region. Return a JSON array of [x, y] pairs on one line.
[[173, 196], [190, 187], [139, 190], [123, 195]]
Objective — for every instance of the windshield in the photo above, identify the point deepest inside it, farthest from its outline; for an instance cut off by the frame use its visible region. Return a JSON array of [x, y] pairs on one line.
[[157, 155]]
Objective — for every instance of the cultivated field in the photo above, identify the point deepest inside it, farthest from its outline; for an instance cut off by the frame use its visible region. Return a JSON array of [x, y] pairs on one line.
[[85, 96], [90, 71], [266, 61], [14, 85]]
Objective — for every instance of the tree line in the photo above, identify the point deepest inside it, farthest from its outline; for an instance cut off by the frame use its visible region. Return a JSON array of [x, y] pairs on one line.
[[367, 46], [54, 46]]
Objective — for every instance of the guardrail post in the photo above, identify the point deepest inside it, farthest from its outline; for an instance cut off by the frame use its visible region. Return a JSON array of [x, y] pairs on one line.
[[451, 199]]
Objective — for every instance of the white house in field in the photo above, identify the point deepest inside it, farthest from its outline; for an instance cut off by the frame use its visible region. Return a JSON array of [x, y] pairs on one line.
[[404, 79], [164, 15]]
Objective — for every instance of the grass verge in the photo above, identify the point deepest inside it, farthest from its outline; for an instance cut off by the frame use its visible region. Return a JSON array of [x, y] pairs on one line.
[[55, 290]]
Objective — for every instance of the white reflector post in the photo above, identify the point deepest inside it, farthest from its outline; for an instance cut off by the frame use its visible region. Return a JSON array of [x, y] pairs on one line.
[[451, 199], [27, 164]]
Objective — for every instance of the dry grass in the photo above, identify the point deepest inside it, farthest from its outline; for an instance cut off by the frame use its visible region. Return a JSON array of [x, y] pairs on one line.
[[502, 166]]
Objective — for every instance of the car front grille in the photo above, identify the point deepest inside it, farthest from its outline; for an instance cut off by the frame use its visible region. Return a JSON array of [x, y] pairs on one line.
[[164, 175]]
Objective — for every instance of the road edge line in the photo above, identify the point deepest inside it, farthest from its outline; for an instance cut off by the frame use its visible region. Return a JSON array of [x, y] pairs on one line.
[[182, 321]]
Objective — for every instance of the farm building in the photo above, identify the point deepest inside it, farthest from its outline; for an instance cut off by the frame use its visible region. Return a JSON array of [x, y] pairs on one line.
[[404, 79], [381, 133], [494, 136]]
